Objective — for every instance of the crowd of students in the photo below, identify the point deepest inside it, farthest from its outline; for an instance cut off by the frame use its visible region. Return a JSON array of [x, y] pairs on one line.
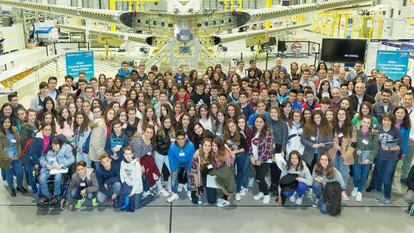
[[304, 132]]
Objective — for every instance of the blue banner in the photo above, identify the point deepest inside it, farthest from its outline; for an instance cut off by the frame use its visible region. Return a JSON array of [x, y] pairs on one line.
[[393, 63], [80, 62]]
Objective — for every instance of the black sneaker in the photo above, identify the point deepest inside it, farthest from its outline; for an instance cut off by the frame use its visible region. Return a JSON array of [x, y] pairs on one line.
[[43, 202], [21, 190], [13, 192], [55, 202]]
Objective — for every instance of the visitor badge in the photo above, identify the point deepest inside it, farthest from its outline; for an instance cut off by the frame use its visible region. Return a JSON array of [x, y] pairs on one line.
[[209, 166], [313, 138], [340, 135], [83, 184], [365, 141], [181, 154], [13, 140]]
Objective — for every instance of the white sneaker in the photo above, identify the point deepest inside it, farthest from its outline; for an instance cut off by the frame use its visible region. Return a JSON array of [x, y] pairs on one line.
[[298, 201], [251, 182], [238, 196], [344, 196], [315, 203], [354, 192], [146, 194], [358, 197], [310, 195], [293, 198], [180, 188], [185, 187], [189, 194], [258, 196], [223, 203], [266, 199], [243, 191], [164, 192], [172, 198]]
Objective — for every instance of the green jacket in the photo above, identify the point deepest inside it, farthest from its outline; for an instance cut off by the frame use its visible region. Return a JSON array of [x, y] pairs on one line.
[[366, 143], [5, 160]]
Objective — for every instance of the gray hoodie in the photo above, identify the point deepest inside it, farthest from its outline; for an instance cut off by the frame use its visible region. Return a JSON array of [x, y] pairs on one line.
[[280, 132], [90, 181]]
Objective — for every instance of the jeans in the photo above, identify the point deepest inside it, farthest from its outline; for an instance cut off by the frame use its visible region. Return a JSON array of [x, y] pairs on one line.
[[76, 194], [300, 190], [405, 169], [3, 174], [241, 164], [141, 202], [360, 174], [115, 189], [261, 173], [44, 188], [160, 160], [318, 191], [30, 176], [174, 177], [16, 169], [211, 193], [80, 156], [342, 168], [384, 175], [275, 173]]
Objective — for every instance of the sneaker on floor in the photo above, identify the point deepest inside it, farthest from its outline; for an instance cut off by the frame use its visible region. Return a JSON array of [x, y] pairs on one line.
[[189, 194], [378, 197], [185, 187], [164, 193], [344, 196], [55, 202], [21, 190], [223, 203], [310, 195], [79, 203], [299, 200], [172, 198], [354, 192], [94, 202], [386, 201], [238, 197], [293, 198], [258, 196], [146, 194], [43, 201], [243, 191], [180, 188], [315, 203], [358, 197], [266, 199], [13, 192]]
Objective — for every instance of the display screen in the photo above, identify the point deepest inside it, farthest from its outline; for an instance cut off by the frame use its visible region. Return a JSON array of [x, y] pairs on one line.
[[343, 50]]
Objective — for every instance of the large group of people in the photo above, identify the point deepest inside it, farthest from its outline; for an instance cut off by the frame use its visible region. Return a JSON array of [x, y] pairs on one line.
[[300, 132]]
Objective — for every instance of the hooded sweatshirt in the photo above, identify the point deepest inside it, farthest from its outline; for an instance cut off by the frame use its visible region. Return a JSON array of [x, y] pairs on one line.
[[108, 177], [280, 134], [90, 183], [131, 175]]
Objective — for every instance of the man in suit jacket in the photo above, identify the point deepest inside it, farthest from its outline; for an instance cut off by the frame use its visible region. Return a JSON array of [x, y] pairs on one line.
[[360, 96], [373, 89]]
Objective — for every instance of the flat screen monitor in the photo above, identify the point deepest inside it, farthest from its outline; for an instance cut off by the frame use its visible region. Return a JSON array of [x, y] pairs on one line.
[[343, 50]]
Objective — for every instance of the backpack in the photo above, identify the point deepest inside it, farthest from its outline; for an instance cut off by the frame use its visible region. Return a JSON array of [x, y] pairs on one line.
[[85, 146], [27, 146], [332, 195]]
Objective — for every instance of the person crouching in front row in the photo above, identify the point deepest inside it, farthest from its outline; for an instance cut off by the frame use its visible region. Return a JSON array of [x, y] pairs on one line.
[[131, 180], [83, 185]]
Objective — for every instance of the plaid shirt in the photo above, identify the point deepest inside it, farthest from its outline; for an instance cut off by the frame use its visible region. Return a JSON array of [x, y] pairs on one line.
[[265, 147]]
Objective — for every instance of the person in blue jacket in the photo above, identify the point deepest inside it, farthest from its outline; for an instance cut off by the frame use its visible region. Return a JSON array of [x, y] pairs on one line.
[[109, 180], [260, 110], [116, 143], [59, 157], [38, 147], [124, 71], [180, 155]]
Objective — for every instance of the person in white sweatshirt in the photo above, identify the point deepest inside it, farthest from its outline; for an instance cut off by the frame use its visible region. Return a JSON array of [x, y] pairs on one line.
[[295, 167], [131, 179]]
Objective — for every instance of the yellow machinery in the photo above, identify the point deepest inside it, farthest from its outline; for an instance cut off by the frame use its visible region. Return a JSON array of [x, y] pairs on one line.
[[131, 4]]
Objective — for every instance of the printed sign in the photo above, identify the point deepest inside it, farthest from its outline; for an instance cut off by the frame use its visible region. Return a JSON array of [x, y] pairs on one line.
[[80, 62], [393, 63]]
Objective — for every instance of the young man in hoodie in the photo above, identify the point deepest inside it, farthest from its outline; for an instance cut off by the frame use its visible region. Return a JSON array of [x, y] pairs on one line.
[[83, 185], [180, 155], [59, 158], [109, 180]]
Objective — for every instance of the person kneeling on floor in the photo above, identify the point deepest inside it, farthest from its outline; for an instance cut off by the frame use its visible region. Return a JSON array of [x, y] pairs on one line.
[[55, 163], [296, 178], [83, 185], [131, 179], [109, 180], [409, 195]]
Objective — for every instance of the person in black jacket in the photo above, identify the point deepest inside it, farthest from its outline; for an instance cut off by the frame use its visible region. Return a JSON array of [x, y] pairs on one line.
[[163, 140], [360, 96], [409, 195], [376, 87]]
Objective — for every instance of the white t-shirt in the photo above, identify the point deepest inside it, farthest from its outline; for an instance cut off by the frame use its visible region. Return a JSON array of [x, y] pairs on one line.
[[255, 147]]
